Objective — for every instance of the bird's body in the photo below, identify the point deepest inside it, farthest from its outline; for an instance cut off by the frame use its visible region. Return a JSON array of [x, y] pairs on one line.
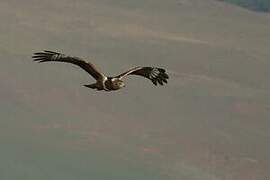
[[107, 84], [156, 75]]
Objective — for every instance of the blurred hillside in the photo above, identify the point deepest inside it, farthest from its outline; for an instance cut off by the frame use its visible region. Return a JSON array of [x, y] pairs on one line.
[[211, 122], [257, 5]]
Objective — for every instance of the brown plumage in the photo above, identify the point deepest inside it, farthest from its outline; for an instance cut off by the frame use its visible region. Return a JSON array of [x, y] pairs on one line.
[[156, 75]]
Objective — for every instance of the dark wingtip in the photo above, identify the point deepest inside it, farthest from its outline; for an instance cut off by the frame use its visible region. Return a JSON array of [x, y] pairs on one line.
[[162, 77], [163, 73], [154, 82], [50, 52], [41, 61], [45, 53], [42, 56], [160, 81], [166, 75], [162, 70]]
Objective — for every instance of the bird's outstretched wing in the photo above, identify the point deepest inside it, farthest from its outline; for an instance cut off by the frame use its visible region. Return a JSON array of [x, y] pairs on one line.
[[156, 75], [48, 56]]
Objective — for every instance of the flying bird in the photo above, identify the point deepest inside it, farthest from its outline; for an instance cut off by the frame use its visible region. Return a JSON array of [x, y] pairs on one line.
[[156, 75]]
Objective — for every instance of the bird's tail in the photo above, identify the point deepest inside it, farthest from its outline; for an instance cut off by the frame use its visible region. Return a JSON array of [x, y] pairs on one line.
[[92, 86]]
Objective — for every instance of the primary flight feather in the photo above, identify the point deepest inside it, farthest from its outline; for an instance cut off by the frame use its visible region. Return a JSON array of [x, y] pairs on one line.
[[156, 75]]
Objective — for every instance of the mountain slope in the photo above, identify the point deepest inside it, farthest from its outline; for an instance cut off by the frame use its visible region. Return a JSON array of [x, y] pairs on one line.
[[210, 122], [257, 5]]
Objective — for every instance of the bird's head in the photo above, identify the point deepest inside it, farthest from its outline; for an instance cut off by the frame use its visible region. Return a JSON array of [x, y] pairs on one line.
[[118, 84]]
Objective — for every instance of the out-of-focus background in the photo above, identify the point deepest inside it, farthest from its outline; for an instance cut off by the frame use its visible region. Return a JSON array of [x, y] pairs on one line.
[[256, 5], [211, 122]]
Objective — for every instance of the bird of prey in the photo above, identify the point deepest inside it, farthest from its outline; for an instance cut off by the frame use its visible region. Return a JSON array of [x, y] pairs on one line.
[[156, 75]]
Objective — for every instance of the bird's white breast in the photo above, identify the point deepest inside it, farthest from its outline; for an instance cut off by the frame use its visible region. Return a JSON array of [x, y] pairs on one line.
[[104, 79]]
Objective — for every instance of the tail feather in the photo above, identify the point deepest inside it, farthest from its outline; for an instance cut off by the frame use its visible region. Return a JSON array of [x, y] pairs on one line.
[[92, 86]]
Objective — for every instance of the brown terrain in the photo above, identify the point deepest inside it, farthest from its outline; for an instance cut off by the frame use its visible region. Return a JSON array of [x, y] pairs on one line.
[[211, 122]]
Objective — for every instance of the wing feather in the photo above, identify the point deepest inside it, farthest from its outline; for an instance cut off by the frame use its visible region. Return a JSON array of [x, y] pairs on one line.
[[156, 75], [51, 56]]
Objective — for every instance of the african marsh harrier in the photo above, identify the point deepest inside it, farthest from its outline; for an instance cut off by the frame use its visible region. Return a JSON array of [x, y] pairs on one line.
[[156, 75]]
